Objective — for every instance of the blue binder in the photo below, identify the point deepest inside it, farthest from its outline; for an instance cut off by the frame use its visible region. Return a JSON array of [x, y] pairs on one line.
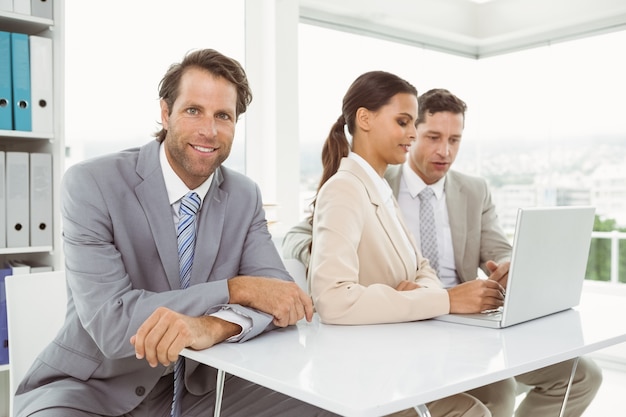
[[20, 71], [6, 85]]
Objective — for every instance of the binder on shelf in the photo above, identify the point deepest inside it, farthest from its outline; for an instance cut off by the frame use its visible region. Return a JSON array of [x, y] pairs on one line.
[[3, 203], [40, 199], [17, 196], [41, 79], [36, 267], [18, 267], [21, 6], [41, 8], [6, 83], [4, 332], [20, 73]]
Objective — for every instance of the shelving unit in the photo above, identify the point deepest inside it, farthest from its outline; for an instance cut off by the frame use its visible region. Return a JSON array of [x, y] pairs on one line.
[[52, 143]]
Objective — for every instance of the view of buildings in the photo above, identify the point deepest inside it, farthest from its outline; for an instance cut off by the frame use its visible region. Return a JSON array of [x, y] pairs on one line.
[[564, 172], [579, 171]]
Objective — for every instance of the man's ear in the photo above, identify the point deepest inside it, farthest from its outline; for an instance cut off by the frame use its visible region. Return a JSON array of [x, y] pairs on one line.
[[165, 114], [363, 118]]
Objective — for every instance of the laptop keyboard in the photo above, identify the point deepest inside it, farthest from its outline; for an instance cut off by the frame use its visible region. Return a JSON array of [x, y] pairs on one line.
[[492, 312]]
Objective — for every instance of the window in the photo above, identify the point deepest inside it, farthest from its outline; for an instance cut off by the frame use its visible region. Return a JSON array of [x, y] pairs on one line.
[[116, 53], [542, 124]]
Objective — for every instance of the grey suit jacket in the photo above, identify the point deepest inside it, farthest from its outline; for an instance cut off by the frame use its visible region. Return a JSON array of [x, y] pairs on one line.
[[476, 234], [122, 263]]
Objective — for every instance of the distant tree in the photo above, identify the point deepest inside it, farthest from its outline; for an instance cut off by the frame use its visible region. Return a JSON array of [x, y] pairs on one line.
[[599, 264]]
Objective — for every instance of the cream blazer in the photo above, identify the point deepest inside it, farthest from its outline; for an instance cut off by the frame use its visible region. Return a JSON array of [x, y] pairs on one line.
[[358, 257]]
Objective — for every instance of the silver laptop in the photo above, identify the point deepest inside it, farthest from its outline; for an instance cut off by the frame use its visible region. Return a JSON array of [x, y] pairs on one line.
[[548, 265]]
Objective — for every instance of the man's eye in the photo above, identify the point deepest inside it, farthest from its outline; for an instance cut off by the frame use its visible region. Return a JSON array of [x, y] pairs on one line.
[[223, 116], [192, 111]]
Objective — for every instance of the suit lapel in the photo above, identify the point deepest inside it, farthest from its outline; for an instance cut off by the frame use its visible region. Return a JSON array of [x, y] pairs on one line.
[[152, 196], [456, 201], [384, 217], [209, 233], [396, 238]]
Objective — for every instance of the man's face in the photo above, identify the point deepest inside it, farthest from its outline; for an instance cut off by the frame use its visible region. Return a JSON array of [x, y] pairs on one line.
[[436, 146], [201, 126]]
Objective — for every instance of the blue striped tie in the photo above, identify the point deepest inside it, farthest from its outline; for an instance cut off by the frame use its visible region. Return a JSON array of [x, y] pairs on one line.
[[186, 232]]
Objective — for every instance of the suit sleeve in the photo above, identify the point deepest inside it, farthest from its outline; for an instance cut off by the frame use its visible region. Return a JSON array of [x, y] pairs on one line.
[[297, 242], [258, 257]]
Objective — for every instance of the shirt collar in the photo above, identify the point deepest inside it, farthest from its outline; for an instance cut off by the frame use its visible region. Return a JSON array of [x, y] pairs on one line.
[[415, 184], [381, 184], [176, 188]]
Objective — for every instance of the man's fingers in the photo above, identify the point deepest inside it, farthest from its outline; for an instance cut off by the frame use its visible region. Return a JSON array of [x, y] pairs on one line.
[[161, 337], [491, 266], [299, 309], [140, 336], [307, 305], [152, 342]]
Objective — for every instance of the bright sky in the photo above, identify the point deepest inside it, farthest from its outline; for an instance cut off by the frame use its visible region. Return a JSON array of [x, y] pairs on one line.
[[507, 95]]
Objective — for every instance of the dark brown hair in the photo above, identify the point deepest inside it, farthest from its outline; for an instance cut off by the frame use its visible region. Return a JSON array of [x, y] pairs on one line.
[[438, 100]]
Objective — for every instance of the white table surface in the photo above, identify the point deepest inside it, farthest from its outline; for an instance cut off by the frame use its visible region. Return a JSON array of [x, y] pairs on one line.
[[379, 369]]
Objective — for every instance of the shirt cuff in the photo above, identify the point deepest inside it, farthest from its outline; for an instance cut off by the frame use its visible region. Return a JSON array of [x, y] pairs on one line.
[[230, 315]]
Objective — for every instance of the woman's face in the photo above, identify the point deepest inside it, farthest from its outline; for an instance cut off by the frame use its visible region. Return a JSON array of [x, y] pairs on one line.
[[392, 130]]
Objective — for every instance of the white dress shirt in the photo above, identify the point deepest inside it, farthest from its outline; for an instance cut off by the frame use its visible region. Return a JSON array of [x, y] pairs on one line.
[[410, 186]]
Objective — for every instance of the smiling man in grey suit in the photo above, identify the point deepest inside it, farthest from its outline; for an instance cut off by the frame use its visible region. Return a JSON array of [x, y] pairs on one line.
[[128, 314], [468, 238]]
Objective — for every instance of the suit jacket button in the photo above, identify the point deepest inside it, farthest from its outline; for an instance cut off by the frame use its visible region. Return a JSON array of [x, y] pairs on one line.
[[140, 391]]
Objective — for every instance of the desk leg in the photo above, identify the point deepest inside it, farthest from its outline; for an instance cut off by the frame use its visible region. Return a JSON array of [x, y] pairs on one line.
[[422, 410], [569, 385], [219, 392]]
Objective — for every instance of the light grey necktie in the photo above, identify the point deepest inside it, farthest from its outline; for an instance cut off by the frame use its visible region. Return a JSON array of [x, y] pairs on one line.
[[186, 232], [428, 231]]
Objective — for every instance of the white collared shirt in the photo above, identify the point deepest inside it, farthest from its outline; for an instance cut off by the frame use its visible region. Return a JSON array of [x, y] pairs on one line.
[[176, 190], [386, 194], [410, 186]]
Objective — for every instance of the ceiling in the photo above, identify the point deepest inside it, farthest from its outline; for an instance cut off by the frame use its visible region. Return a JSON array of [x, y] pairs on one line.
[[472, 28]]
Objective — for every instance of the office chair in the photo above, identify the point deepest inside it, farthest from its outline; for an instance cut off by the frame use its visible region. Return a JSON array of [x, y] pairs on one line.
[[36, 305]]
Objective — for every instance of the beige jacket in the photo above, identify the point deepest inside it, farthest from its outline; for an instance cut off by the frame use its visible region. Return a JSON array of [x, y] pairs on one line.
[[358, 258]]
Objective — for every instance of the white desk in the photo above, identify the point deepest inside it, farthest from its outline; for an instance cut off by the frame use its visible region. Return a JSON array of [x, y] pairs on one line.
[[379, 369]]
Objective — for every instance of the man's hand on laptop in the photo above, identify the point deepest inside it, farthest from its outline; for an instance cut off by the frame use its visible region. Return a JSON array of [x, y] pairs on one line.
[[476, 296], [499, 272]]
